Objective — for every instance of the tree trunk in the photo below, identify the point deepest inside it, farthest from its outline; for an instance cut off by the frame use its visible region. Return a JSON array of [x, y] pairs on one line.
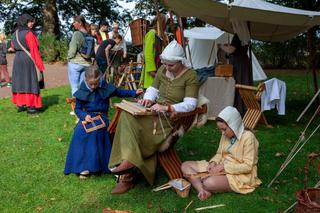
[[50, 18], [311, 35]]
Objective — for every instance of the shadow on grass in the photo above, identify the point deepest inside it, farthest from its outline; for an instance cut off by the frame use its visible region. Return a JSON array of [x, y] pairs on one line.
[[49, 101]]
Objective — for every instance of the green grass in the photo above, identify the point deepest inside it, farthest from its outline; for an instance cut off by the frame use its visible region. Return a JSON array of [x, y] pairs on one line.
[[33, 151]]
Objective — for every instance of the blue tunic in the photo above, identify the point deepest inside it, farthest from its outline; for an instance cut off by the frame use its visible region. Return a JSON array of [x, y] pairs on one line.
[[91, 151]]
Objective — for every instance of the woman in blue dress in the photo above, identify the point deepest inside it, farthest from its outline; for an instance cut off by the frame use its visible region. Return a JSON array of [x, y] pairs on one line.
[[89, 152]]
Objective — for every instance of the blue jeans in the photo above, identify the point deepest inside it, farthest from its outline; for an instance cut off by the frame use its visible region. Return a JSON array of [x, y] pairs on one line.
[[76, 75]]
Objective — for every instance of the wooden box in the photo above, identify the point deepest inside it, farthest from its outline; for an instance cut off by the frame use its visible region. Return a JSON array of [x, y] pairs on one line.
[[224, 70]]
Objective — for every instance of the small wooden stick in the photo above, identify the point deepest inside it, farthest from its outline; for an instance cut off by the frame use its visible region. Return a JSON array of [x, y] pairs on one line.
[[162, 187], [204, 174], [209, 207], [185, 209]]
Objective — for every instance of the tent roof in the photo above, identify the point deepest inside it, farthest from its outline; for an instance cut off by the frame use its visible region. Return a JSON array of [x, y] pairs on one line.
[[207, 33], [268, 22]]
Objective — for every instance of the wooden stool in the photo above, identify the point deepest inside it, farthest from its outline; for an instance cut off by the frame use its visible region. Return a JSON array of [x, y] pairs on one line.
[[251, 97]]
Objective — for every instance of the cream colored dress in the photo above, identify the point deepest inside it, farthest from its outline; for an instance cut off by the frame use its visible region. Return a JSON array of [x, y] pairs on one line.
[[239, 160]]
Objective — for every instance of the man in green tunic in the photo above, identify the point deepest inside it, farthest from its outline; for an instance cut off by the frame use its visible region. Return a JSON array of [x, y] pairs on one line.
[[137, 138]]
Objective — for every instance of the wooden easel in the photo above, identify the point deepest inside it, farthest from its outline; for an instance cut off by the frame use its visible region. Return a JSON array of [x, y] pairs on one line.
[[127, 78]]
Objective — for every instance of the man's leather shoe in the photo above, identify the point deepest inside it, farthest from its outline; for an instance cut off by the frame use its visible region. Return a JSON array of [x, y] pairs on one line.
[[123, 168], [125, 183]]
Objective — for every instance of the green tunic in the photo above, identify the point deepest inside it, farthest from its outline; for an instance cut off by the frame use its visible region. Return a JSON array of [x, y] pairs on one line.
[[149, 58], [134, 139]]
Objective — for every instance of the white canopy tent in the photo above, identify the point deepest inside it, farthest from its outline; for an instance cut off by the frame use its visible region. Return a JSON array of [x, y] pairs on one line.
[[266, 21], [203, 49]]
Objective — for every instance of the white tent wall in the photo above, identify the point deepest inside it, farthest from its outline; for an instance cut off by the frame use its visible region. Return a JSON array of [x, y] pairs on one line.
[[204, 40]]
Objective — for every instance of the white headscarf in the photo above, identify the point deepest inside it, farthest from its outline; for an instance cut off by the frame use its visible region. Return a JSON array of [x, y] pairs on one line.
[[233, 118], [174, 52]]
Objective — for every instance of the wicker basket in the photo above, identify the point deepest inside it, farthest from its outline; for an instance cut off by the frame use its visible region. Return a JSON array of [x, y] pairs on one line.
[[138, 30], [224, 70], [184, 189], [308, 198]]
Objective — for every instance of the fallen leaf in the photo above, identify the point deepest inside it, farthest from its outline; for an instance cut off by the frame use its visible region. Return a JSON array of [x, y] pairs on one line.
[[65, 125], [59, 139], [279, 154], [150, 205], [107, 210], [275, 189], [267, 198], [39, 209], [53, 198]]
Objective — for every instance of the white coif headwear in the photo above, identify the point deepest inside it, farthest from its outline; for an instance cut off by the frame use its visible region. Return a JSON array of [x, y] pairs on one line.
[[174, 52], [233, 118]]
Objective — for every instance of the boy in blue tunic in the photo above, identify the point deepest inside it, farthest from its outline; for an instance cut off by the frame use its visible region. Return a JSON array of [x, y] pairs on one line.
[[89, 152]]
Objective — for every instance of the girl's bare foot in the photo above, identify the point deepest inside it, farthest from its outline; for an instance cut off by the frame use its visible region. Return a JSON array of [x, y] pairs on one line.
[[204, 195]]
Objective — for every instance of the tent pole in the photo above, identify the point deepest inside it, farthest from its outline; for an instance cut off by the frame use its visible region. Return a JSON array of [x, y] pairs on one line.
[[250, 55], [210, 55], [312, 60], [189, 52], [312, 100]]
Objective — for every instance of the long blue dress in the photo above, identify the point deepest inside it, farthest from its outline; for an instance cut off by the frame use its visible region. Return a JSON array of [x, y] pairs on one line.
[[91, 151]]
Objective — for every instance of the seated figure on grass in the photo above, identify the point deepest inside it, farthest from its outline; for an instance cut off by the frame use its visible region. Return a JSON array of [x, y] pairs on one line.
[[138, 138], [234, 167], [89, 150]]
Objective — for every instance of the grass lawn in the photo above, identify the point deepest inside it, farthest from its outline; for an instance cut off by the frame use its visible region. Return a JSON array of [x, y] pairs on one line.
[[33, 151]]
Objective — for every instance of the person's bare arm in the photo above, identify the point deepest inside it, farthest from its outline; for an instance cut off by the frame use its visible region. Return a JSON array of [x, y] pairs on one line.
[[107, 52], [228, 48]]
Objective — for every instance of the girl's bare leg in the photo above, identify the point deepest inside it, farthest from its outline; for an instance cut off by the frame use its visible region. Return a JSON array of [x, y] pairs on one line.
[[216, 184], [189, 168]]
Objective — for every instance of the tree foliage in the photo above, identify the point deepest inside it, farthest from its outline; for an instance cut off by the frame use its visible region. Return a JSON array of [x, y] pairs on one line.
[[94, 11], [55, 16], [293, 53]]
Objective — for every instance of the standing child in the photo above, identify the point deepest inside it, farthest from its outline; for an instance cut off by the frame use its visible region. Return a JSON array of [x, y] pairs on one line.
[[3, 62], [89, 152], [103, 56]]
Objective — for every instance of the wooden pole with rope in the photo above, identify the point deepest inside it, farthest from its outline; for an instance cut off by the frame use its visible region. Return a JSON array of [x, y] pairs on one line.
[[297, 147]]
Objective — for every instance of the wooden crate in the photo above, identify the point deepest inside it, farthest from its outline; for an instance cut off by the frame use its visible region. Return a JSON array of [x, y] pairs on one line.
[[224, 70]]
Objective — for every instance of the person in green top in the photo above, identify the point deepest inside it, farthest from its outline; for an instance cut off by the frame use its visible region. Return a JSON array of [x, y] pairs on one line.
[[138, 138], [151, 51]]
